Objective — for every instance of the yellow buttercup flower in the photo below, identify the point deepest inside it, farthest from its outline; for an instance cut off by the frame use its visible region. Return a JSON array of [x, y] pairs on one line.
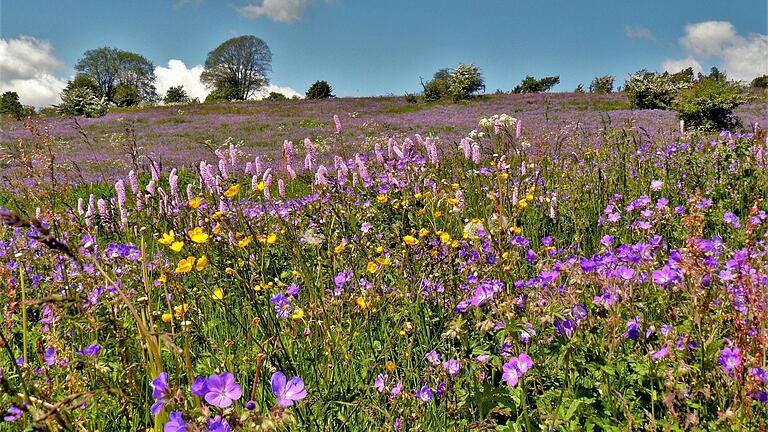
[[218, 294], [445, 237], [245, 242], [217, 228], [372, 267], [454, 186], [260, 186], [382, 199], [385, 261], [522, 203], [298, 314], [423, 232], [529, 196], [453, 201], [167, 317], [163, 278], [217, 215], [185, 265], [167, 238], [438, 214], [176, 246], [197, 235], [195, 202], [232, 191], [517, 230], [229, 271], [390, 366], [410, 240], [180, 310], [361, 303], [340, 248], [201, 263]]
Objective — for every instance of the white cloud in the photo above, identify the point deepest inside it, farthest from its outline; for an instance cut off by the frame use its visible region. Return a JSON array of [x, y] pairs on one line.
[[638, 32], [286, 11], [673, 66], [27, 66], [742, 58], [177, 74]]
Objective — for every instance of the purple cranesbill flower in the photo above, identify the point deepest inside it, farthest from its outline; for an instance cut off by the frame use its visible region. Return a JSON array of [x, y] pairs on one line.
[[218, 424], [14, 413], [433, 357], [515, 368], [633, 330], [452, 366], [731, 219], [660, 354], [396, 390], [607, 240], [91, 351], [760, 396], [440, 390], [287, 391], [222, 390], [565, 327], [730, 359], [292, 290], [381, 382], [398, 425], [160, 392], [656, 185], [425, 394], [579, 312], [50, 356], [282, 304], [200, 387], [175, 423], [665, 276]]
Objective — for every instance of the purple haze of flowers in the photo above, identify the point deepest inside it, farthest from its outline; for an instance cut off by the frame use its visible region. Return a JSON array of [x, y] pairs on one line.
[[159, 393], [222, 390], [425, 394], [287, 391], [14, 413], [730, 359], [515, 368], [381, 382], [175, 423]]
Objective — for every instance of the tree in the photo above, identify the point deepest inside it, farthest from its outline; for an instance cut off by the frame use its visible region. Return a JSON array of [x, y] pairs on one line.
[[176, 94], [458, 84], [78, 101], [9, 104], [760, 82], [579, 88], [709, 104], [275, 96], [602, 84], [237, 68], [84, 81], [649, 90], [319, 90], [111, 67], [532, 85], [439, 86], [127, 95]]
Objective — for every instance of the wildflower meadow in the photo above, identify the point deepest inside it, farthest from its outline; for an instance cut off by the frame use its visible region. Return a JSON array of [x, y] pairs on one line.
[[603, 278]]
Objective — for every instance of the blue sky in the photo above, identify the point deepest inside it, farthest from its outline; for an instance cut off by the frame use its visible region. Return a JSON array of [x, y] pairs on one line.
[[382, 47]]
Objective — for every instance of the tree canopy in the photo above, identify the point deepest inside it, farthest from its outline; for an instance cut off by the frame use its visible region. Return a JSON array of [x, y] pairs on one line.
[[237, 68], [111, 68]]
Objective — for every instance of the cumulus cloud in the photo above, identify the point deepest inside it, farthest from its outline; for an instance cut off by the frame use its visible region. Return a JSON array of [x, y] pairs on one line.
[[28, 66], [178, 74], [286, 11], [741, 57], [638, 32]]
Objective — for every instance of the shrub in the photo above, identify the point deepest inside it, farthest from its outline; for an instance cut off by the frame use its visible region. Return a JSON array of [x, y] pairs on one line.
[[532, 85], [649, 90], [275, 96], [80, 101], [9, 104], [602, 84], [176, 94], [127, 95], [760, 82], [457, 84], [320, 90], [709, 104], [411, 98], [579, 88]]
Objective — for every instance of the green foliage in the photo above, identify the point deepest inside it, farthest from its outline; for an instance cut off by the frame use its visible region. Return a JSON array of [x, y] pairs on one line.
[[319, 90], [111, 68], [709, 104], [84, 81], [411, 98], [456, 84], [176, 94], [275, 96], [649, 90], [80, 101], [126, 95], [602, 84], [532, 85], [579, 88], [760, 82], [9, 104], [237, 68]]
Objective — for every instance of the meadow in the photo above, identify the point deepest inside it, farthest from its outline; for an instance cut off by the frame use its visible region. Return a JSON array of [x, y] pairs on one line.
[[513, 263]]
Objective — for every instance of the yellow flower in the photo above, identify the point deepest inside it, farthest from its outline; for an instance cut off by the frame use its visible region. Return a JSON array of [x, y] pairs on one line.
[[197, 235], [382, 199], [438, 214], [232, 191], [195, 202], [340, 248], [167, 317], [405, 203], [445, 237], [361, 303], [185, 265], [176, 246], [522, 203], [217, 228], [517, 230], [504, 176], [454, 186], [167, 238], [417, 195], [390, 366], [218, 294], [529, 196], [410, 240], [245, 242], [201, 263], [427, 194], [229, 271], [163, 278], [423, 232], [298, 314], [216, 215], [372, 267], [384, 261], [379, 249], [180, 310], [260, 186], [272, 238], [453, 201]]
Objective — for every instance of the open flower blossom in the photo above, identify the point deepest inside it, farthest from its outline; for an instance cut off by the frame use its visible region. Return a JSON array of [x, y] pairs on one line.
[[287, 391], [160, 392], [515, 368], [222, 390]]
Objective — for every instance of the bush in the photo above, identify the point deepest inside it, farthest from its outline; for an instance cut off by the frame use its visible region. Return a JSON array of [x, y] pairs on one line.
[[579, 88], [709, 104], [649, 90], [602, 84], [320, 90], [760, 82], [176, 94], [127, 95], [275, 96], [80, 101], [457, 84], [9, 104], [411, 98], [532, 85], [84, 81]]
